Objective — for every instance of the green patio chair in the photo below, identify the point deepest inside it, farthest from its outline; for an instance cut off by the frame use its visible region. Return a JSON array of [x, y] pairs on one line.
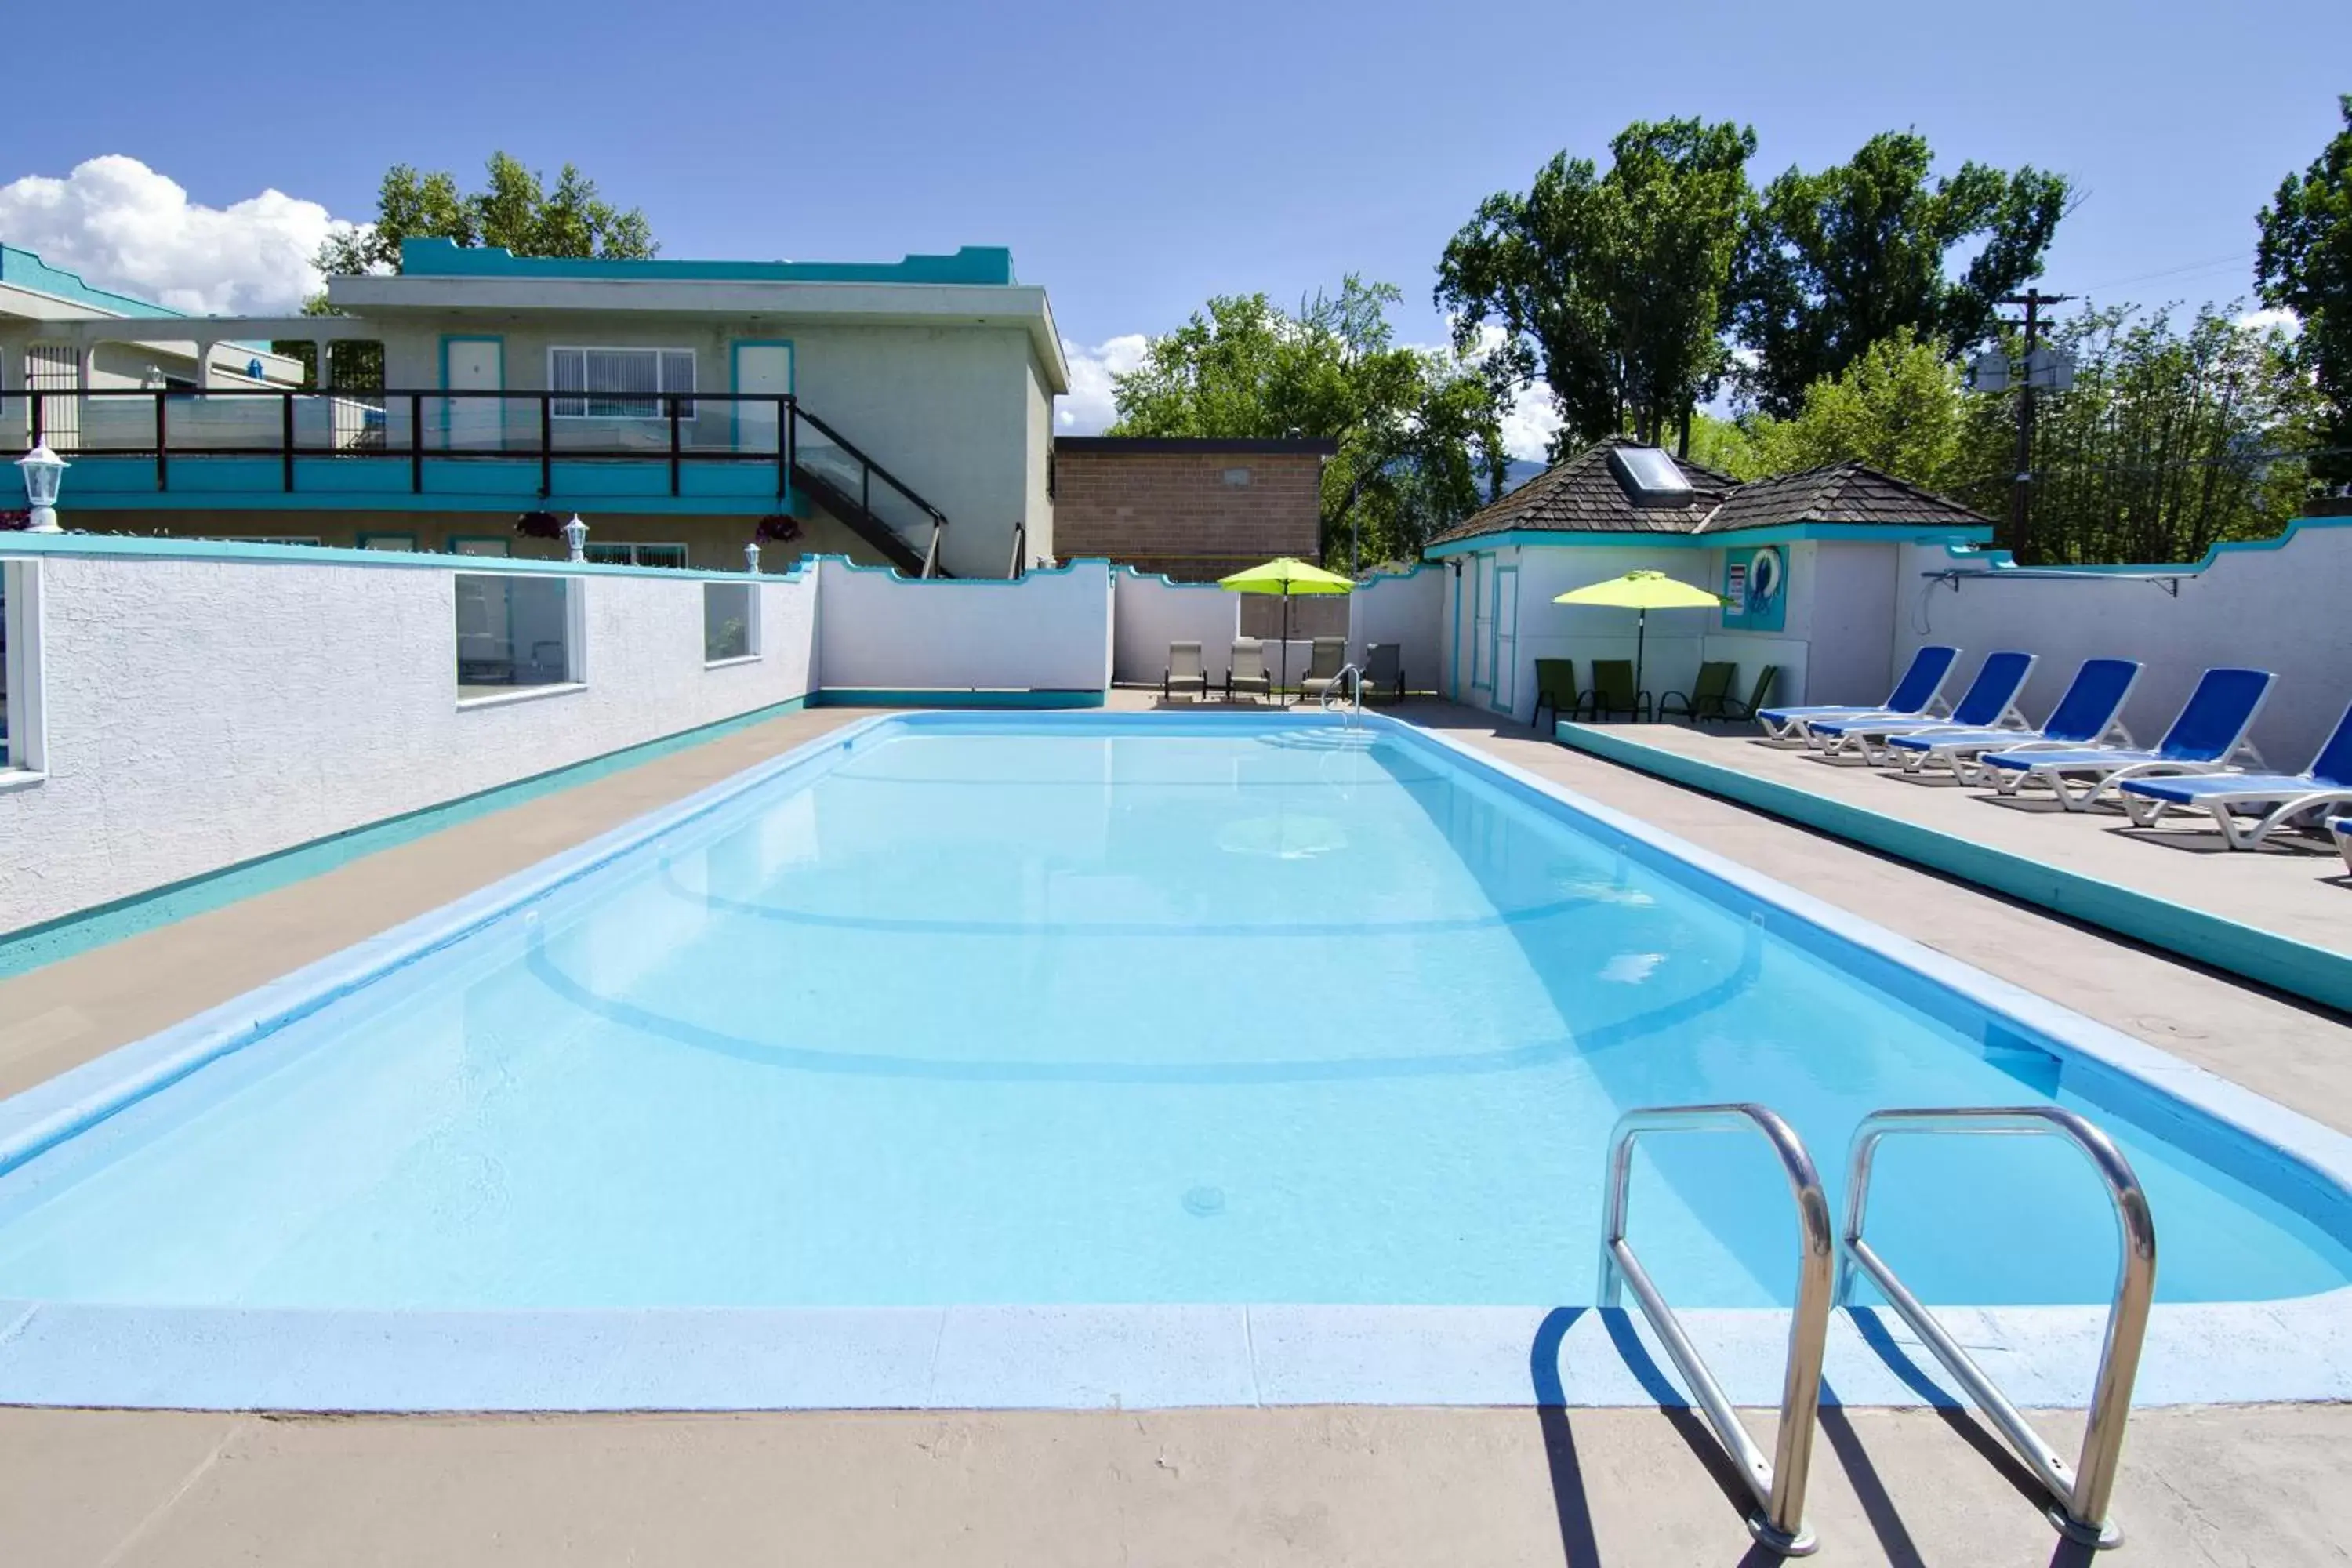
[[1705, 698], [1761, 693], [1612, 691], [1555, 687]]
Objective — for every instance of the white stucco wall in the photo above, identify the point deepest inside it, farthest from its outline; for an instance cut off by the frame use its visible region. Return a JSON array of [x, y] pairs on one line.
[[2276, 607], [1408, 609], [204, 711], [1050, 631], [1850, 593], [1153, 612]]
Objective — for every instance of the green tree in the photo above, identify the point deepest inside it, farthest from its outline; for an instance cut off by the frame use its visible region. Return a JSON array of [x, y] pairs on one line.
[[1419, 431], [1836, 261], [1899, 407], [514, 209], [2304, 263], [1613, 286]]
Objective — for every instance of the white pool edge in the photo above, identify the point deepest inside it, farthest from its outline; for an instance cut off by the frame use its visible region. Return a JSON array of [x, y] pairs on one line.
[[1066, 1357]]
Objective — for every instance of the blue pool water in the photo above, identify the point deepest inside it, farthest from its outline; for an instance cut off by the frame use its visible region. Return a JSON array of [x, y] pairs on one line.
[[1083, 1010]]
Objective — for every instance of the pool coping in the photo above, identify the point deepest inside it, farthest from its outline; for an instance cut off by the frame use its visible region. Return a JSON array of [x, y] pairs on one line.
[[1063, 1357], [2265, 957]]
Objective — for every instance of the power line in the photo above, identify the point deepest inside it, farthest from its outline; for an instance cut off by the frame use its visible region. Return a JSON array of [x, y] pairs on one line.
[[2235, 258]]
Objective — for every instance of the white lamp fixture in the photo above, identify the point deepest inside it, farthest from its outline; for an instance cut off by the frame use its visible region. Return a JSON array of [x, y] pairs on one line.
[[44, 471], [575, 538], [751, 558]]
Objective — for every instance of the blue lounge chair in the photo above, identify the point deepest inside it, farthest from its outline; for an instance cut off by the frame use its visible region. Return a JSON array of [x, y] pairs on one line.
[[2208, 737], [1988, 703], [1919, 694], [2342, 827], [2090, 714], [2272, 800]]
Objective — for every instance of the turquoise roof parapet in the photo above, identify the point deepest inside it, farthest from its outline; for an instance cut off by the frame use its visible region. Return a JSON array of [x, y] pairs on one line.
[[22, 270], [982, 263]]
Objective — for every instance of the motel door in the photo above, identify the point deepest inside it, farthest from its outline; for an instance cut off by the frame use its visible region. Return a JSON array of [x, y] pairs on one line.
[[1506, 635], [761, 367], [1482, 623], [475, 424]]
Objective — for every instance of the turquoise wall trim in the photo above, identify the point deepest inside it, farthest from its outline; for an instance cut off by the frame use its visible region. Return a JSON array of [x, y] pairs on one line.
[[982, 263], [22, 270], [747, 488], [883, 697], [59, 939], [37, 545], [1563, 540], [1998, 561], [2279, 962]]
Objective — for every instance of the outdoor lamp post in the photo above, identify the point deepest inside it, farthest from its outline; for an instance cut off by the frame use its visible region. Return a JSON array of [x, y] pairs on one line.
[[575, 538], [751, 558], [43, 471]]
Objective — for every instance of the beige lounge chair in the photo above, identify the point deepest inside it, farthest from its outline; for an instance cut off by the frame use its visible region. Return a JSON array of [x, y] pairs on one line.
[[1186, 671], [1323, 669], [1246, 671]]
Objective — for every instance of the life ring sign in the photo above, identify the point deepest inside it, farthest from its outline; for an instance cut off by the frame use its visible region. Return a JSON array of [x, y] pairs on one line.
[[1763, 579], [1754, 589]]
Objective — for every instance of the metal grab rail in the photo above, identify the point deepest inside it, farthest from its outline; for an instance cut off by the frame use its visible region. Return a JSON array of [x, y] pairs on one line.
[[1353, 678], [1779, 1484], [2080, 1496]]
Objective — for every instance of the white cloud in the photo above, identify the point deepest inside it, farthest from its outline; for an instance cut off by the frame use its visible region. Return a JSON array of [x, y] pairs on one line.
[[1529, 428], [2264, 320], [1089, 406], [124, 226]]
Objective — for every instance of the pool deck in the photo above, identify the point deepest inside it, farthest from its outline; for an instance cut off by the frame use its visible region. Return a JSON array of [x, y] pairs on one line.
[[2240, 1484]]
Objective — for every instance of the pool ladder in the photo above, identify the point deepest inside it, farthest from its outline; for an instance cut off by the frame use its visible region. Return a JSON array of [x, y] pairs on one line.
[[1353, 674], [1825, 1270]]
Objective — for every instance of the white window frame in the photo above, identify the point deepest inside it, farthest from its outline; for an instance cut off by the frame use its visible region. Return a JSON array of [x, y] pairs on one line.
[[575, 647], [754, 644], [26, 758], [556, 409]]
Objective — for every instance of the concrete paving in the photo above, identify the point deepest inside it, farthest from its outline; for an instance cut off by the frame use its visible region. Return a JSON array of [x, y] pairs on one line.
[[2237, 1485]]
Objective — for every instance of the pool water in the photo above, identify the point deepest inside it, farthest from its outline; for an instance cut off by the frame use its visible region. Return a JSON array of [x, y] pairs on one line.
[[1072, 1009]]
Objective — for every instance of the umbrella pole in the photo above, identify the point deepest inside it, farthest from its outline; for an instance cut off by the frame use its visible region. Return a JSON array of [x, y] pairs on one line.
[[1640, 636], [1286, 637]]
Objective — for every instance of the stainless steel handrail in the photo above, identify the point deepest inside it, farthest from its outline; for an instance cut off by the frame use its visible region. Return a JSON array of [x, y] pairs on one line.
[[1779, 1484], [2080, 1494], [1353, 677]]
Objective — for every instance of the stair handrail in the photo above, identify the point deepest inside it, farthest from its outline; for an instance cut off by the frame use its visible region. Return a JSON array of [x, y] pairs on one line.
[[938, 519], [2080, 1494], [1777, 1485]]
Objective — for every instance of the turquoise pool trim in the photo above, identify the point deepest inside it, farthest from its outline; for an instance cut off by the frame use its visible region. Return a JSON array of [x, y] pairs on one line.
[[64, 937], [2281, 963], [1080, 1357], [976, 696]]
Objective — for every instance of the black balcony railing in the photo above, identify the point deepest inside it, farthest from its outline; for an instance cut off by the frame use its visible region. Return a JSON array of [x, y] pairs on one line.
[[390, 429]]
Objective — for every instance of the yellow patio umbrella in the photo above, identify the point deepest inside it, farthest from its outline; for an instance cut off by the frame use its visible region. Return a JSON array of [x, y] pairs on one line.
[[1287, 575], [1642, 590]]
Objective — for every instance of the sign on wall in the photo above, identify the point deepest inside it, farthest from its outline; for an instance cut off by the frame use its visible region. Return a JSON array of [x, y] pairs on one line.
[[1755, 590]]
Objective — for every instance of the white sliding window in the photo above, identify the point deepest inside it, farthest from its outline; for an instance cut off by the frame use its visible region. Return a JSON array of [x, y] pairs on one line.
[[618, 383]]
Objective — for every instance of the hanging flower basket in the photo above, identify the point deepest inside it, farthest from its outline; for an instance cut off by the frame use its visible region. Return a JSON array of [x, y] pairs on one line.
[[779, 528], [16, 520], [540, 525]]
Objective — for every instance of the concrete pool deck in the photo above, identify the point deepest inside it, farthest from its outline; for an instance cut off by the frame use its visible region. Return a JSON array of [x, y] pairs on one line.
[[2251, 1484]]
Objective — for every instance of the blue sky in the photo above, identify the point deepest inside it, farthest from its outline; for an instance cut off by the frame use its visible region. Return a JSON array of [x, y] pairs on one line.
[[1137, 159]]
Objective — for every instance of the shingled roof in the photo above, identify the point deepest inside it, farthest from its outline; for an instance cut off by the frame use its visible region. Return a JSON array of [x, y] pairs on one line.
[[1583, 494]]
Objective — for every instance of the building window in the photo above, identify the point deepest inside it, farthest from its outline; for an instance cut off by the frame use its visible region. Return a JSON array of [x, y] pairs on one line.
[[516, 631], [618, 383], [21, 737], [620, 554], [1237, 479], [730, 622]]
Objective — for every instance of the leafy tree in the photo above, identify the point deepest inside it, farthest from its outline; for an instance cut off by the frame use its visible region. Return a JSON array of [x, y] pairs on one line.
[[2304, 263], [514, 210], [1420, 432], [2167, 442], [1613, 286], [1899, 407], [1835, 262]]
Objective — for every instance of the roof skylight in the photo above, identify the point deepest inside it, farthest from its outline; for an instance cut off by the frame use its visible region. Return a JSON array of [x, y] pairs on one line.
[[1651, 474]]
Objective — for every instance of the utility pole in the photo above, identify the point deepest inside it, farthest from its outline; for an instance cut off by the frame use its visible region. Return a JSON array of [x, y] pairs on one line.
[[2021, 489]]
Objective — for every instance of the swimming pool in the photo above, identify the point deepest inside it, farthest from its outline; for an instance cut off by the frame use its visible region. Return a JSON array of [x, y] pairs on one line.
[[1069, 1012]]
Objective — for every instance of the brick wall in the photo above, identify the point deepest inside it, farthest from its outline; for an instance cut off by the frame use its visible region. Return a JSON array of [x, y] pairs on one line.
[[1194, 516]]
